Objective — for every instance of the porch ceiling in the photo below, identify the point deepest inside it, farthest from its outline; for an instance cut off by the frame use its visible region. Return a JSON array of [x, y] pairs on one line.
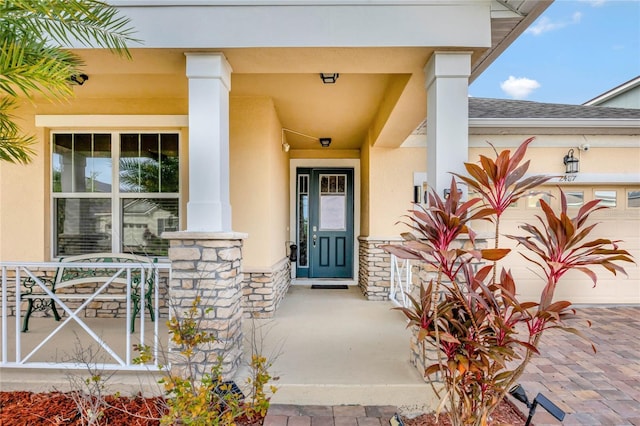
[[379, 98]]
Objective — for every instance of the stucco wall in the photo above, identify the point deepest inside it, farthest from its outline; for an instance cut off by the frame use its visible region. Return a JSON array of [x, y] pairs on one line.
[[24, 202], [391, 187], [259, 180]]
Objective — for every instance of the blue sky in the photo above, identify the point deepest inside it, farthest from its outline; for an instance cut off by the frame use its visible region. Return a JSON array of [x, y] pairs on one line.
[[575, 51]]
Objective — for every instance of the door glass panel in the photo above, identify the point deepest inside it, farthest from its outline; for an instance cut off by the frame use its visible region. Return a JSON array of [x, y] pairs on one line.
[[303, 220], [333, 203], [324, 184], [332, 212]]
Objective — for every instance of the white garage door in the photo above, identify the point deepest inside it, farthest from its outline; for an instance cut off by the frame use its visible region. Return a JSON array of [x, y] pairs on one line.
[[619, 222]]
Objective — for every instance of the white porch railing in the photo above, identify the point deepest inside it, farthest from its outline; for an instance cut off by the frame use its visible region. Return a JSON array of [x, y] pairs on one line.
[[401, 281], [122, 273]]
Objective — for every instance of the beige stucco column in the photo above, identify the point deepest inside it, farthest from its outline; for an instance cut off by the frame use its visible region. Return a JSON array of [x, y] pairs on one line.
[[209, 206], [447, 83]]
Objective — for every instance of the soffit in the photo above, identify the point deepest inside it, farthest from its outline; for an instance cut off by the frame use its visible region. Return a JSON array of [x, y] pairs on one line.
[[380, 90]]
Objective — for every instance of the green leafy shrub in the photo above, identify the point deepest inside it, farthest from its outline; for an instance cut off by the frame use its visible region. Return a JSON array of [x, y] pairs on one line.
[[209, 399]]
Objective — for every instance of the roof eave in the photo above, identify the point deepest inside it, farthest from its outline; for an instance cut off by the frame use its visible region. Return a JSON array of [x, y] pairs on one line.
[[621, 123], [539, 6]]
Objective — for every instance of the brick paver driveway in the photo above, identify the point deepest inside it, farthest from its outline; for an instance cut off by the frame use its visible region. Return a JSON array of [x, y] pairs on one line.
[[593, 389]]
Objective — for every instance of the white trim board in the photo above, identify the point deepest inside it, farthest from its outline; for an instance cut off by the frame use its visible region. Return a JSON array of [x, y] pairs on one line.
[[119, 121]]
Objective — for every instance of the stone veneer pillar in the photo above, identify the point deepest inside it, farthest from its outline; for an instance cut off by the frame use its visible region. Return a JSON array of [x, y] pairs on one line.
[[207, 265], [374, 274]]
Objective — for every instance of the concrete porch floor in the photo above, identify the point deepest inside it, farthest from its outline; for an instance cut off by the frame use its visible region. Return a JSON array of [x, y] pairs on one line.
[[333, 347]]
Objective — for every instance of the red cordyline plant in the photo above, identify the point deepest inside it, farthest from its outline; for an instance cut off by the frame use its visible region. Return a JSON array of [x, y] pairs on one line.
[[482, 334]]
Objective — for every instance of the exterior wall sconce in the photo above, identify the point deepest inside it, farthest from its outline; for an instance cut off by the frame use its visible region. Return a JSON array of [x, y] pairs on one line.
[[329, 78], [79, 79], [571, 163], [325, 142]]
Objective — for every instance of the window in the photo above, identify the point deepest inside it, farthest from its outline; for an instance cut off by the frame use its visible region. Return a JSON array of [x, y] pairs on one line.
[[574, 198], [100, 207], [633, 198], [533, 199], [607, 198]]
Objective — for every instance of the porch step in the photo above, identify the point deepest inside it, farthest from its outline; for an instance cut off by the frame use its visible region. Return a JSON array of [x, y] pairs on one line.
[[409, 398], [47, 380]]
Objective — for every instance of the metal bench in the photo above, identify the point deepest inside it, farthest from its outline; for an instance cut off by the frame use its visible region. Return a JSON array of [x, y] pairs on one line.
[[66, 277]]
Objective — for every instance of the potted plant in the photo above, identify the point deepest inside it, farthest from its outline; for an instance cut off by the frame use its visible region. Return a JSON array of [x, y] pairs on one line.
[[483, 336]]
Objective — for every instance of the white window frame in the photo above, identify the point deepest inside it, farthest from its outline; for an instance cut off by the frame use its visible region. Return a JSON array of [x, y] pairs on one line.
[[116, 195]]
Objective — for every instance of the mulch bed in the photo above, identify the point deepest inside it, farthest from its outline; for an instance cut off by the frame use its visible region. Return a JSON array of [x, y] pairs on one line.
[[505, 414], [56, 408]]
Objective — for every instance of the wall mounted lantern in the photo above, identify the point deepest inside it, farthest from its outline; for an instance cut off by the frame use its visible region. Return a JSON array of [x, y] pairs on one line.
[[79, 79], [571, 163], [329, 78]]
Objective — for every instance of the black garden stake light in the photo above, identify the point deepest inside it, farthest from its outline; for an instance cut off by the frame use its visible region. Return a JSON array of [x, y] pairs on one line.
[[518, 393], [570, 162]]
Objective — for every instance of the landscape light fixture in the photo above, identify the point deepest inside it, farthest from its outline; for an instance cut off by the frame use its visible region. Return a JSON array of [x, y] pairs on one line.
[[329, 78], [79, 79], [226, 388], [571, 163], [518, 393], [325, 142]]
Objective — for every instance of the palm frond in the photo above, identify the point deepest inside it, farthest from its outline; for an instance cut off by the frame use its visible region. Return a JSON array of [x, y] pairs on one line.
[[14, 147], [88, 22]]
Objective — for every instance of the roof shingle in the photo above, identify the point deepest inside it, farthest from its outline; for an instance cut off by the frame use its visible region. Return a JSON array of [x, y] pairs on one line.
[[507, 108]]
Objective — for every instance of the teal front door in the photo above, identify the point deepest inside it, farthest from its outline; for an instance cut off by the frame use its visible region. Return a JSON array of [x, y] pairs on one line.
[[325, 223]]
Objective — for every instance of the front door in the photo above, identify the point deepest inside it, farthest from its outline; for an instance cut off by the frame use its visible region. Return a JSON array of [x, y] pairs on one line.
[[325, 223]]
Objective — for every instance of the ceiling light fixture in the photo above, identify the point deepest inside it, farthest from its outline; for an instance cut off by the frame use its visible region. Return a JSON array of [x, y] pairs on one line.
[[329, 78], [325, 142], [79, 79]]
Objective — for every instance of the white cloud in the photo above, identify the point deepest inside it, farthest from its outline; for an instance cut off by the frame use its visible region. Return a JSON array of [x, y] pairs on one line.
[[519, 88], [544, 24], [595, 3]]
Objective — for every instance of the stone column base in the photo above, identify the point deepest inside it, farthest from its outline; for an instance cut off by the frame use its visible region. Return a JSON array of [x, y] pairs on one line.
[[206, 265]]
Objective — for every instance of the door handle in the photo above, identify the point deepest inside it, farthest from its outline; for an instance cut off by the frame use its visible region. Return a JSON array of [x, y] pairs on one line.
[[315, 237]]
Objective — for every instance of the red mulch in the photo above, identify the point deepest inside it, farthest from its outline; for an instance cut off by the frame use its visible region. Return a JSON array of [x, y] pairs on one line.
[[55, 408], [505, 414]]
